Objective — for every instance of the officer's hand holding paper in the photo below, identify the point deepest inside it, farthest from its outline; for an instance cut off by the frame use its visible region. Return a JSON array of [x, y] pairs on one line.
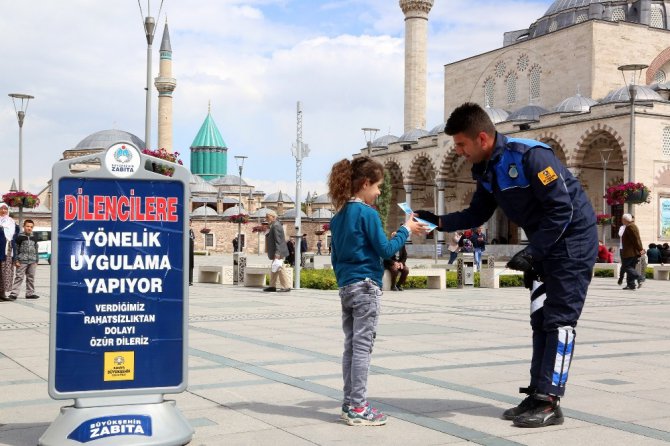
[[408, 211]]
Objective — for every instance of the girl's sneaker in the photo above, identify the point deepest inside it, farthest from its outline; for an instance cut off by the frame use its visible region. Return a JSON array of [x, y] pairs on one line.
[[346, 407], [365, 416]]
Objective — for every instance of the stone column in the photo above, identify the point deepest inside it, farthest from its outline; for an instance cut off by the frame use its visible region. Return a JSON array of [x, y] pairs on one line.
[[416, 38], [441, 184], [408, 194]]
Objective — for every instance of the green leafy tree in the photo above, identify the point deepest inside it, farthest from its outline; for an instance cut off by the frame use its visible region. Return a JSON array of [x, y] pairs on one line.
[[384, 199]]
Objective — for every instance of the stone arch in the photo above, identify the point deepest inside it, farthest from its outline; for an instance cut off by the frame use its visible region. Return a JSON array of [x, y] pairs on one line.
[[393, 166], [556, 143], [662, 177], [422, 168], [594, 132], [656, 64]]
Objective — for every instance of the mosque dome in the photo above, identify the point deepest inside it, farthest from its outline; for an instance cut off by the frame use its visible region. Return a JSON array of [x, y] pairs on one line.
[[260, 213], [277, 197], [496, 114], [528, 113], [322, 214], [384, 141], [204, 211], [291, 214], [203, 188], [575, 104], [105, 138], [437, 129], [228, 180], [413, 135], [322, 199], [642, 93], [235, 210]]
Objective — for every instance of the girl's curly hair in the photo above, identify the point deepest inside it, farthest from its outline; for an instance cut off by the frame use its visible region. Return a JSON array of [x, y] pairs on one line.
[[347, 177]]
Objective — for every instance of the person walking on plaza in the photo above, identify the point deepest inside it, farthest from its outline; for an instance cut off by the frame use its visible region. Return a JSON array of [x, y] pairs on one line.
[[9, 229], [275, 243], [318, 247], [478, 239], [538, 193], [25, 261], [3, 256], [631, 253], [397, 266], [622, 271], [191, 252], [357, 247], [453, 246]]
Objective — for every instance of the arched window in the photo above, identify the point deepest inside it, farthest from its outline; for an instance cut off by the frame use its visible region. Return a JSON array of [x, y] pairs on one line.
[[666, 141], [534, 78], [659, 77], [489, 92], [618, 14], [582, 18], [553, 26], [510, 82], [656, 19]]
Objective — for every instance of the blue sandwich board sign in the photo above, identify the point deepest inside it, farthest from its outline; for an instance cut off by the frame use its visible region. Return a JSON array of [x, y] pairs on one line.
[[119, 299]]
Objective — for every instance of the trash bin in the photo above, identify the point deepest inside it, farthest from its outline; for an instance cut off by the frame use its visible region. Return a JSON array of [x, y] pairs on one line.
[[487, 273], [239, 264], [308, 260], [466, 269]]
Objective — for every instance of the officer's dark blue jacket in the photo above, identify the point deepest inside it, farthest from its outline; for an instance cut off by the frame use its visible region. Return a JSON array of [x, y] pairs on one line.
[[534, 190]]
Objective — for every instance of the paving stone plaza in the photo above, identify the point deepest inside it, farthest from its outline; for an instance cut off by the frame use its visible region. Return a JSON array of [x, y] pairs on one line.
[[264, 368]]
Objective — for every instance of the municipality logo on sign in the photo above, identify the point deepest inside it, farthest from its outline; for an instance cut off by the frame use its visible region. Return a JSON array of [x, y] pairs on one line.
[[122, 160], [98, 428]]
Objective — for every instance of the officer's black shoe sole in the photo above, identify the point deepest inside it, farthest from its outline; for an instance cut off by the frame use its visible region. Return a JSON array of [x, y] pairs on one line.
[[540, 417]]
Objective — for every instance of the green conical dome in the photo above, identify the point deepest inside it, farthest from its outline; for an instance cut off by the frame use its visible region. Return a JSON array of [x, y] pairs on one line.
[[208, 135]]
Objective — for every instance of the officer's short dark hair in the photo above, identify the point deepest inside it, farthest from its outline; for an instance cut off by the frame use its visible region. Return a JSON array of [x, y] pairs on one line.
[[469, 119]]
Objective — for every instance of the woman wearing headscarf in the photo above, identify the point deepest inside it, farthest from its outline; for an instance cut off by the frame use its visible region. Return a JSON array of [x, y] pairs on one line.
[[9, 230]]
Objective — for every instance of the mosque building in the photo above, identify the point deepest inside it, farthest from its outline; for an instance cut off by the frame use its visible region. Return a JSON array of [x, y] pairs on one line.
[[558, 81]]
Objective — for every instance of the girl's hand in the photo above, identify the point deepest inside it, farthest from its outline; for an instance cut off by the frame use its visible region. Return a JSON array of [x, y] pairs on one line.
[[414, 226]]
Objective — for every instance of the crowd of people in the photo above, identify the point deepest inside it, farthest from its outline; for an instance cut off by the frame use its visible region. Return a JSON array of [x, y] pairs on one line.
[[18, 257]]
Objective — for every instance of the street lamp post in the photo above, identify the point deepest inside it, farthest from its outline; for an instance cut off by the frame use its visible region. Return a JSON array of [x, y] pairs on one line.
[[240, 164], [300, 150], [370, 134], [21, 110], [149, 31], [633, 71]]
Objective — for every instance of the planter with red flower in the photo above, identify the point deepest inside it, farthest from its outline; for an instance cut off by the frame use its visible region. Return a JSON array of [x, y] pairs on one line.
[[634, 193], [238, 218], [604, 219], [160, 167], [21, 199], [326, 227], [205, 230]]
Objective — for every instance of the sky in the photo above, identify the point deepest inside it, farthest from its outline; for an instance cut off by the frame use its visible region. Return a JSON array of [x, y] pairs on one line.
[[85, 62]]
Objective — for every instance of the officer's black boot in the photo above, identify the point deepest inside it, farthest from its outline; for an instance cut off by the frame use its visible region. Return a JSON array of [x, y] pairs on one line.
[[546, 411], [525, 405]]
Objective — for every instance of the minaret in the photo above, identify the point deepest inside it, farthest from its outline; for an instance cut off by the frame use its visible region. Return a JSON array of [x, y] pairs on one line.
[[416, 39], [165, 84]]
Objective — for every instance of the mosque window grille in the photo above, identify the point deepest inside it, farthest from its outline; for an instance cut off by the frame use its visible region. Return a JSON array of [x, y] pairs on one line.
[[522, 62], [666, 141], [534, 82], [618, 15], [659, 77], [511, 83], [656, 19], [553, 26], [500, 68], [583, 17], [489, 92]]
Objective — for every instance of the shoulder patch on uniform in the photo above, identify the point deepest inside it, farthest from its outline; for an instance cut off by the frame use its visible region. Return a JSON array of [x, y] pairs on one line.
[[547, 175]]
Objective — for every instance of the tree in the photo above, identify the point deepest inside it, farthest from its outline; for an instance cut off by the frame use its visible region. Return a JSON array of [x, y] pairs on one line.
[[384, 199]]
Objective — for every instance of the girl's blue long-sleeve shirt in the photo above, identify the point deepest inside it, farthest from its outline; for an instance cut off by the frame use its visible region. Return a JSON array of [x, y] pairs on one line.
[[359, 244]]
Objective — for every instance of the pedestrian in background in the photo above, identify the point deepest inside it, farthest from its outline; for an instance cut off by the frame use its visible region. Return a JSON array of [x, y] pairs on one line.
[[9, 229], [25, 261], [275, 242], [631, 253]]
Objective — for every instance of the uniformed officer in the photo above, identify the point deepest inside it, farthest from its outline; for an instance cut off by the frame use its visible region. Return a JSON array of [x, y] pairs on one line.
[[538, 193]]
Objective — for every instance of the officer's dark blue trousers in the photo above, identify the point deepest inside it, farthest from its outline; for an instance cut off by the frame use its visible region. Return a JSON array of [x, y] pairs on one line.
[[566, 271]]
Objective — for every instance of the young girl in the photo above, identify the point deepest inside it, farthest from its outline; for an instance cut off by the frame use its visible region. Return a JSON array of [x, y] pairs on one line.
[[358, 246]]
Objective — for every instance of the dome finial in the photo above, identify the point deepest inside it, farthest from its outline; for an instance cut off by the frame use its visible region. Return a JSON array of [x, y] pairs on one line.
[[209, 107]]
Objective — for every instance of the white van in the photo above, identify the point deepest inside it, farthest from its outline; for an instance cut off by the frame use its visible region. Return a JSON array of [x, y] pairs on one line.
[[43, 234]]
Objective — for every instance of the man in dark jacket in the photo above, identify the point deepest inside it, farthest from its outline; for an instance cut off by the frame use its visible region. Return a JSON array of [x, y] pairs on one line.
[[631, 252], [25, 261], [538, 193], [275, 243], [397, 267]]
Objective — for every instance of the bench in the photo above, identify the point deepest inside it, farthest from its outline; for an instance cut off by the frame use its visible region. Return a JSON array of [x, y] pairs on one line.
[[489, 278], [661, 272], [254, 275], [614, 267], [215, 274], [437, 278]]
